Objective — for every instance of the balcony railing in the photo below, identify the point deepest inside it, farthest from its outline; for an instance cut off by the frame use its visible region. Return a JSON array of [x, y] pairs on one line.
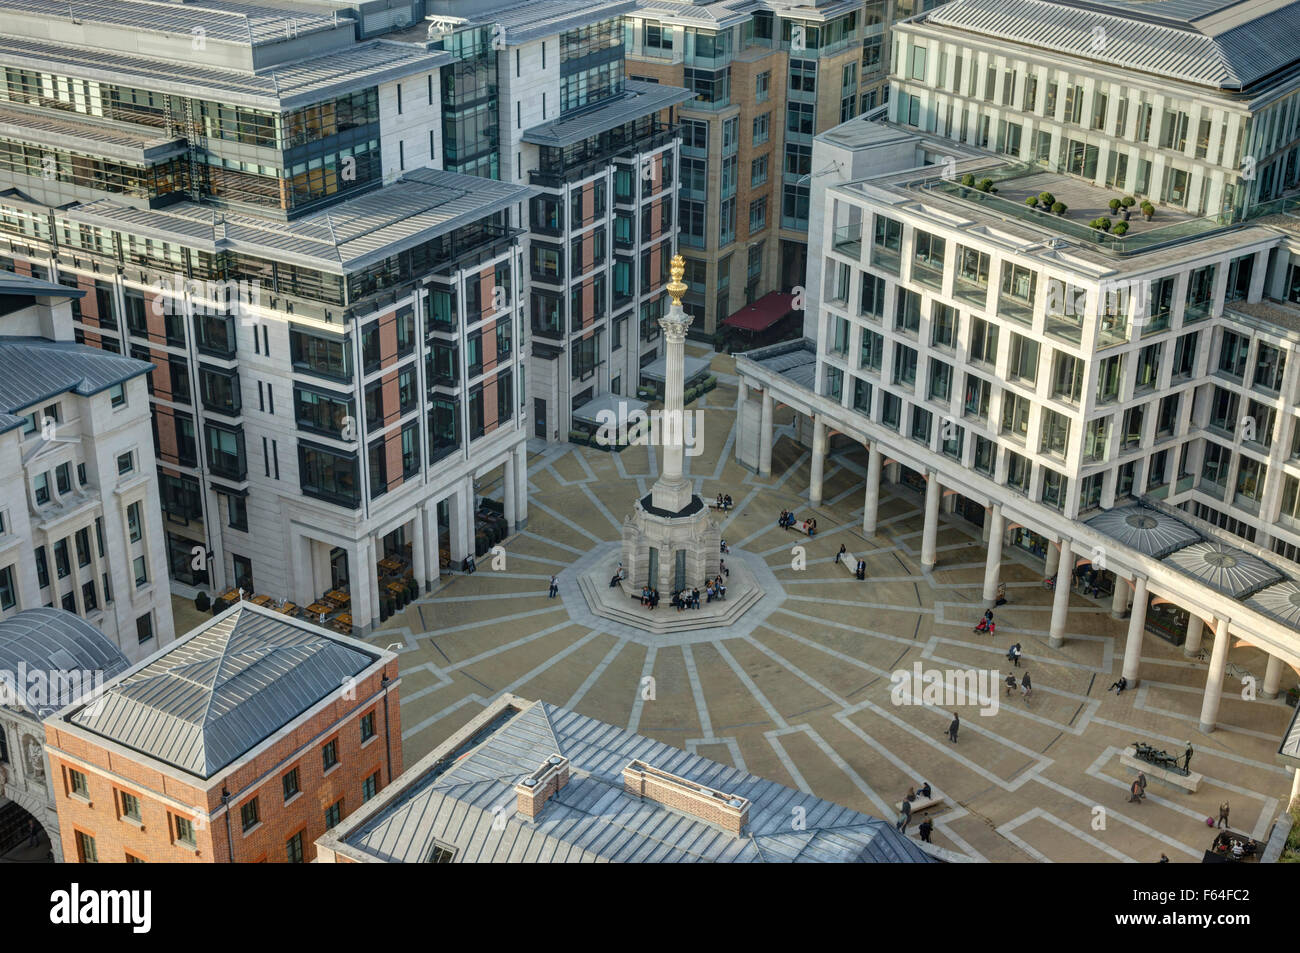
[[848, 241]]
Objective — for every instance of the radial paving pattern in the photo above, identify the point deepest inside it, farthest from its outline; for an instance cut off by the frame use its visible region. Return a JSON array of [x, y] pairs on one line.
[[803, 695]]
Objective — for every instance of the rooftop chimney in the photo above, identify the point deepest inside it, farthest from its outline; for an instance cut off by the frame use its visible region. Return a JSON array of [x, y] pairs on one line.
[[728, 811], [532, 793]]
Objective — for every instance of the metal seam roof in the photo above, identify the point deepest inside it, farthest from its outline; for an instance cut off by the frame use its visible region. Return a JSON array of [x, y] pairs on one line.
[[1120, 37], [49, 640], [593, 818], [202, 703], [639, 99], [422, 205], [35, 369]]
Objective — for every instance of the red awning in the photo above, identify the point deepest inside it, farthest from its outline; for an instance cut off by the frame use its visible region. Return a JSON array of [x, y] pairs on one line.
[[763, 313]]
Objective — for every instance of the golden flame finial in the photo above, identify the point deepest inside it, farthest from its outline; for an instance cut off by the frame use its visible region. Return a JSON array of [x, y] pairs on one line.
[[677, 287]]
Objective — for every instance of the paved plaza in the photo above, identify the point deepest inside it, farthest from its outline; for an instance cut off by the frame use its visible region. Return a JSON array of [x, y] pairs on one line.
[[799, 689]]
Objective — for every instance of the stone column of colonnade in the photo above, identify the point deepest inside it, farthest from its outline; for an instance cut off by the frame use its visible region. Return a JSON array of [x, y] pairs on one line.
[[871, 493], [817, 467], [1272, 677], [509, 493], [1137, 623], [1061, 595], [520, 463], [930, 529], [993, 564], [765, 435], [1214, 678], [419, 551]]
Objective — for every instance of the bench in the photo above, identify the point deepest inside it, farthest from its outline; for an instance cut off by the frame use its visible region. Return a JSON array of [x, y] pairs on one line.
[[920, 804], [849, 562]]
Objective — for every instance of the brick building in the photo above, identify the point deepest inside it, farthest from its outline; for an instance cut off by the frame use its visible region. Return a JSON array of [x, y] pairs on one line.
[[529, 782], [244, 741]]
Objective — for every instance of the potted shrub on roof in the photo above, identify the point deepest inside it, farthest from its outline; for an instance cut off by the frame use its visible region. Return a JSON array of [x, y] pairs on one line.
[[1101, 224], [1047, 199], [1032, 201], [1114, 205], [1147, 210], [201, 602], [968, 180], [1127, 203], [1119, 228], [986, 185], [1060, 208]]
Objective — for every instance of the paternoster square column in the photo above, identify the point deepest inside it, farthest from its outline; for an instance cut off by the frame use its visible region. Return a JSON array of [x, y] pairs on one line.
[[673, 491]]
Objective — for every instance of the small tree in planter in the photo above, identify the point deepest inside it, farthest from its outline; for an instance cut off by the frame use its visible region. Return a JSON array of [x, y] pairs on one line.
[[1114, 206], [1293, 696], [1147, 210], [201, 602], [1032, 201], [1101, 224], [986, 185], [1046, 199], [1120, 228], [1127, 203], [968, 180], [1060, 208]]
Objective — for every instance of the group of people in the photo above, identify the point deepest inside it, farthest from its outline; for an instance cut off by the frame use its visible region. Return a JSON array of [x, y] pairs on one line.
[[649, 597], [1013, 655], [906, 814], [986, 624], [724, 502], [1026, 686], [689, 598], [1234, 847], [787, 519]]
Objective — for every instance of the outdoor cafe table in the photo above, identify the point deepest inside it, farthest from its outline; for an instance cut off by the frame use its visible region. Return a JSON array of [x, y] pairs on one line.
[[319, 609], [260, 600]]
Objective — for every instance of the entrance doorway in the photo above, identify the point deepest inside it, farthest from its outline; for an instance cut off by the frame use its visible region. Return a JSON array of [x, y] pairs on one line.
[[653, 579], [338, 568], [243, 573], [539, 417], [679, 570]]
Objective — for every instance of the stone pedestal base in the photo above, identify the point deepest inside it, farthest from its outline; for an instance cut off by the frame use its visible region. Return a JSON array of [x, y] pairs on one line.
[[690, 531], [1188, 782]]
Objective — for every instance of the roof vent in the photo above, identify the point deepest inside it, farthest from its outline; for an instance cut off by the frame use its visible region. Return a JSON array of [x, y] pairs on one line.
[[728, 811], [532, 793]]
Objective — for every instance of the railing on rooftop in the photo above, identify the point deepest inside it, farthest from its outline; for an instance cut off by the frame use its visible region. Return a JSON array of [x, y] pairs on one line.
[[1144, 239]]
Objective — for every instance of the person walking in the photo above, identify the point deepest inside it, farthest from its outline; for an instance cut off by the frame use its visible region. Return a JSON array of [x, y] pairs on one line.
[[1134, 793], [905, 816], [555, 586], [1223, 816], [1013, 654], [1187, 759], [952, 729], [925, 829], [32, 838], [1142, 782], [1011, 682], [1026, 687]]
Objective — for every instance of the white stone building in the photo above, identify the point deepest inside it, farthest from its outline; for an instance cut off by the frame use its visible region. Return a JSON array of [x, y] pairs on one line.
[[1119, 402], [80, 528]]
